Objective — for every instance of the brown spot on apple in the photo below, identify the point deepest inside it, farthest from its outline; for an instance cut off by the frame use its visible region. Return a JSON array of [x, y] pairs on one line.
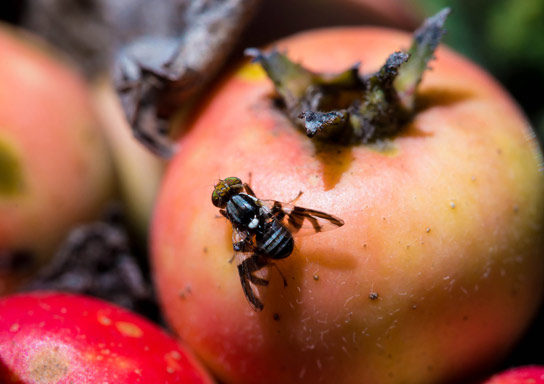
[[49, 365]]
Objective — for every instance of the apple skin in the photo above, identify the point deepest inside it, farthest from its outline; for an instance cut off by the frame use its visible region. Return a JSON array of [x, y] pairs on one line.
[[49, 337], [58, 167], [444, 224], [532, 374]]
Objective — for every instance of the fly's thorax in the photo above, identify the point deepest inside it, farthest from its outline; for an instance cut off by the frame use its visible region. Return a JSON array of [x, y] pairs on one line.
[[242, 210]]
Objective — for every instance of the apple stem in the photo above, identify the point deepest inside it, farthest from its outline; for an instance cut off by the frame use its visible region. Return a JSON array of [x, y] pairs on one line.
[[345, 107]]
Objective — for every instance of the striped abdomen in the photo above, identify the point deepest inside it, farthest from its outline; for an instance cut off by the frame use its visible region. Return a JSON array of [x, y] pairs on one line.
[[275, 241]]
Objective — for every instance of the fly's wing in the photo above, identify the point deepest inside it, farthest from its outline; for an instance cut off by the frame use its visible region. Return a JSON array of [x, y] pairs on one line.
[[250, 267], [298, 220]]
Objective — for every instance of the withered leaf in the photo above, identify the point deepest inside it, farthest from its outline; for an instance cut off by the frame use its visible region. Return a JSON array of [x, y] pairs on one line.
[[162, 52], [346, 107]]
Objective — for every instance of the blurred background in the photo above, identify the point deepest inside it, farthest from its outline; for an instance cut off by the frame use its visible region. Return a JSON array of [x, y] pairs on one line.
[[504, 36], [507, 38]]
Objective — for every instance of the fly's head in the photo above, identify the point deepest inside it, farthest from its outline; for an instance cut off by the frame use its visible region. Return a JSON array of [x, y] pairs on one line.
[[225, 189]]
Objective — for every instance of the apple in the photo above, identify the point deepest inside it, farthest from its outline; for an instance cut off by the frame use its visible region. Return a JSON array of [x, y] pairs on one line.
[[531, 374], [55, 167], [50, 337], [434, 276]]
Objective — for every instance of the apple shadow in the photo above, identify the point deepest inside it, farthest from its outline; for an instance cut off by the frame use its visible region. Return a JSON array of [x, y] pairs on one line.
[[439, 97]]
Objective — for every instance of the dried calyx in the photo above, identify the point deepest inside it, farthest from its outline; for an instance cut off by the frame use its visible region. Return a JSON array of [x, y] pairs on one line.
[[346, 107]]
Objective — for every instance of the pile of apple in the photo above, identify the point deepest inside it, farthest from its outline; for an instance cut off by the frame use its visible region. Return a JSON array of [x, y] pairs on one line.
[[434, 277]]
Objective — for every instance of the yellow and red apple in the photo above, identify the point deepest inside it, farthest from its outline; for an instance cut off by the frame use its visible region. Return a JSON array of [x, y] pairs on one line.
[[438, 268], [55, 168]]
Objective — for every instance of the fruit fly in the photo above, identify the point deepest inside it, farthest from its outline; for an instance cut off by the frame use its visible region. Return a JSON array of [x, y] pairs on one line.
[[263, 230]]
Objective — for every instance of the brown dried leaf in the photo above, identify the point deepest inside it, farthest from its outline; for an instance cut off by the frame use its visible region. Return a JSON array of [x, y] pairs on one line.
[[162, 52]]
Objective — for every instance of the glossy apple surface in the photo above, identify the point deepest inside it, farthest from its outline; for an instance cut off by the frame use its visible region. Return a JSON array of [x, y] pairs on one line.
[[48, 337], [438, 268], [519, 375]]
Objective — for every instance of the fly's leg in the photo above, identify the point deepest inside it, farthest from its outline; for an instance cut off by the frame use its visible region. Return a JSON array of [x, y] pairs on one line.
[[245, 245], [293, 201], [281, 274], [248, 190]]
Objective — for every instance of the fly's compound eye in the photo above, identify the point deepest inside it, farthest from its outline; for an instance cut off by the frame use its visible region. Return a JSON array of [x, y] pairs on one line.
[[216, 199], [220, 194], [225, 189]]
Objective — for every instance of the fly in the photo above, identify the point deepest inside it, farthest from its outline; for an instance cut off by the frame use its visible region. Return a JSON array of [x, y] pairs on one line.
[[263, 230]]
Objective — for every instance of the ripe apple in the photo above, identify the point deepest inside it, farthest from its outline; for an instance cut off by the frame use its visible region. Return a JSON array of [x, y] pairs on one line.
[[438, 268], [48, 337], [519, 375], [55, 169]]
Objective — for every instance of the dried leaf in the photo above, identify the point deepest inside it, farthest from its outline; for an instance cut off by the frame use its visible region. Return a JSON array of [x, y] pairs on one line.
[[154, 76], [346, 108], [163, 52], [96, 259], [424, 44]]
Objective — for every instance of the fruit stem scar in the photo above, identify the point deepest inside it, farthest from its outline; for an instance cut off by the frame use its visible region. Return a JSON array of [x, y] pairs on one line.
[[345, 107]]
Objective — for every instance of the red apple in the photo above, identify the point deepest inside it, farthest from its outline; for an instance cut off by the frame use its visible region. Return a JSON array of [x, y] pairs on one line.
[[438, 268], [48, 337], [55, 169], [519, 375]]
